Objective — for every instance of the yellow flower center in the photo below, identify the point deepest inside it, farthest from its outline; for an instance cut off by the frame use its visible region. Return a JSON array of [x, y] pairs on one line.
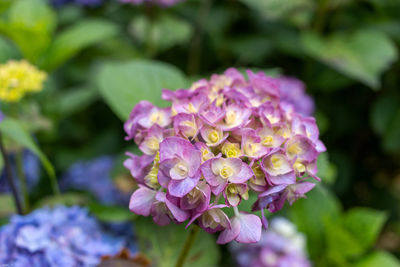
[[181, 169], [232, 189], [258, 173], [193, 128], [272, 119], [213, 136], [153, 143], [226, 172], [157, 117], [276, 161], [268, 140], [299, 167], [194, 196], [295, 149], [151, 179], [251, 149], [191, 108], [206, 154], [231, 150], [230, 117]]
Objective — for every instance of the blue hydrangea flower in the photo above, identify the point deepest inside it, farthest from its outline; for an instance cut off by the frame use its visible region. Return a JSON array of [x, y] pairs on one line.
[[31, 168], [95, 177], [280, 246], [61, 3], [63, 236]]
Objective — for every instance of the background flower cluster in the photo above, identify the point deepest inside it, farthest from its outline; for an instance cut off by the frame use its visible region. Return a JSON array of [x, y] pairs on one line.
[[56, 237], [280, 246]]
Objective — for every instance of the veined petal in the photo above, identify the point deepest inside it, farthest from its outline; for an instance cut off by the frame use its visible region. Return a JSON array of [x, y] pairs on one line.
[[179, 188], [250, 228], [229, 235], [243, 175], [142, 200]]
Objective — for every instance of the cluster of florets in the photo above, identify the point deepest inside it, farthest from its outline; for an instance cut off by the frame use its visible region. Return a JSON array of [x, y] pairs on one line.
[[56, 237], [163, 3], [220, 140], [18, 78], [280, 246]]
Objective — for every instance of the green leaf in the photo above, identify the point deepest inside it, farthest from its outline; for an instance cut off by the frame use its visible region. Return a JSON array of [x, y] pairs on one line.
[[309, 215], [163, 244], [124, 84], [7, 205], [111, 213], [326, 170], [30, 24], [5, 4], [77, 37], [383, 111], [298, 12], [385, 120], [73, 101], [162, 33], [67, 199], [362, 55], [251, 48], [15, 131], [7, 50], [364, 224], [340, 242], [379, 258]]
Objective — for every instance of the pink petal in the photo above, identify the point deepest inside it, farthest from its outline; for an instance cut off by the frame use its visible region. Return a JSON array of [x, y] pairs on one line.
[[245, 174], [179, 188], [228, 235], [211, 178], [142, 200], [178, 214], [250, 228]]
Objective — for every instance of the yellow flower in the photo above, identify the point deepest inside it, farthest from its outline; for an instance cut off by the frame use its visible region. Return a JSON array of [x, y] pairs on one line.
[[18, 78]]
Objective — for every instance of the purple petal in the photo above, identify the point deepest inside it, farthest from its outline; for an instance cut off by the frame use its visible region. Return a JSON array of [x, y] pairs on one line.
[[245, 174], [179, 215], [250, 228], [229, 235], [173, 146], [179, 188], [142, 200], [211, 178]]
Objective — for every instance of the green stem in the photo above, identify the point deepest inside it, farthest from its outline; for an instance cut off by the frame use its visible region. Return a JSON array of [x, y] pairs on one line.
[[54, 184], [9, 176], [236, 210], [22, 179], [187, 246]]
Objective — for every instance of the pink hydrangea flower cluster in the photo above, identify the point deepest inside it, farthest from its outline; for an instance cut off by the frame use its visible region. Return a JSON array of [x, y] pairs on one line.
[[220, 140]]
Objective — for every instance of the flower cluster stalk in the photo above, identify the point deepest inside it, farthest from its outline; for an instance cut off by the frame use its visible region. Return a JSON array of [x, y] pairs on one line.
[[9, 176], [184, 254]]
